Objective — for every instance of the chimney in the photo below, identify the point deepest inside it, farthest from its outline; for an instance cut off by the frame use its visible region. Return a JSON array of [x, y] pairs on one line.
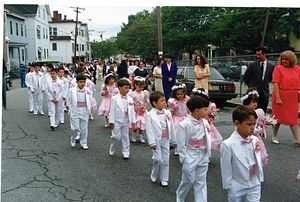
[[65, 17], [59, 16], [55, 15]]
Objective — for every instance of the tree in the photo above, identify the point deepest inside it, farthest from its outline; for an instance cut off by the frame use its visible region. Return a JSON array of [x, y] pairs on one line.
[[108, 48]]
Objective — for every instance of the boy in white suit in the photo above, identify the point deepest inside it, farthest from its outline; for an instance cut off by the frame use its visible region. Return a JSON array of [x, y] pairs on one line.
[[79, 104], [241, 167], [28, 84], [54, 92], [194, 148], [65, 85], [37, 89], [120, 116], [160, 130]]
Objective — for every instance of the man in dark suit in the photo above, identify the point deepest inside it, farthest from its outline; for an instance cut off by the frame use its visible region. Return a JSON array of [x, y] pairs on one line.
[[259, 75], [123, 68]]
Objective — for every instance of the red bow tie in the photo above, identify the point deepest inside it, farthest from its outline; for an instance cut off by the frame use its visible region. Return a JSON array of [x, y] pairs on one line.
[[247, 141], [81, 91], [198, 122], [123, 97], [160, 112]]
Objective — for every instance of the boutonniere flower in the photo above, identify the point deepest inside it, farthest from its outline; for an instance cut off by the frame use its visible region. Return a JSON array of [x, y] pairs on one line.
[[257, 147], [130, 103], [87, 84], [168, 116], [65, 82], [40, 75], [207, 126], [58, 85], [88, 92]]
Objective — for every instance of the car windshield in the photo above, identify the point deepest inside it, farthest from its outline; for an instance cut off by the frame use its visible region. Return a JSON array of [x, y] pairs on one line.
[[214, 74], [180, 74]]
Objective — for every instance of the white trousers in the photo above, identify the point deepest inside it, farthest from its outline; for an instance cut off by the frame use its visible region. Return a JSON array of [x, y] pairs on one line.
[[237, 192], [161, 157], [54, 113], [61, 109], [30, 95], [37, 101], [194, 170], [79, 122], [121, 131]]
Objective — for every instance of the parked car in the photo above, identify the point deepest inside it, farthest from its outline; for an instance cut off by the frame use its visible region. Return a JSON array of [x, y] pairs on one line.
[[8, 81], [230, 74], [221, 90]]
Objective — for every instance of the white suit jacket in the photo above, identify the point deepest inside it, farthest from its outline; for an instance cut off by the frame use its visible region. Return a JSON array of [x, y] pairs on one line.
[[72, 99], [154, 129], [117, 114], [184, 133], [50, 90], [234, 164], [36, 81], [65, 84], [28, 79]]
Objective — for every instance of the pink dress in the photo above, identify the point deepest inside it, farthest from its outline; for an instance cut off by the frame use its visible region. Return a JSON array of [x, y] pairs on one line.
[[180, 110], [260, 131], [90, 85], [104, 108], [216, 138], [139, 101]]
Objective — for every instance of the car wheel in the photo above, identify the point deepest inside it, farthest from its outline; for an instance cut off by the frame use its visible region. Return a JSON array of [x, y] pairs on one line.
[[220, 103], [7, 86]]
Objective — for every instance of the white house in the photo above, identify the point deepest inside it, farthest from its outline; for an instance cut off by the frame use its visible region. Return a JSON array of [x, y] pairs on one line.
[[62, 37]]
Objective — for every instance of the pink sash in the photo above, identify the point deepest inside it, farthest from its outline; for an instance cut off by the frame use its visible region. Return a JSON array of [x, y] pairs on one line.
[[165, 132], [197, 143], [54, 93], [253, 171], [126, 114], [81, 104]]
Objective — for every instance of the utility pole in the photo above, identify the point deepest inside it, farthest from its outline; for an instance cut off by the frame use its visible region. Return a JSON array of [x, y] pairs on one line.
[[159, 33], [76, 33], [101, 36], [265, 28]]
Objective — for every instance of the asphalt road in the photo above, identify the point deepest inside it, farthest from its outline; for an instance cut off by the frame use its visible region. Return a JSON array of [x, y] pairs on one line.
[[39, 164]]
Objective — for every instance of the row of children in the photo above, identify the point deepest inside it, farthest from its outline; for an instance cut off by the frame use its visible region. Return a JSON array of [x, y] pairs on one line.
[[188, 123]]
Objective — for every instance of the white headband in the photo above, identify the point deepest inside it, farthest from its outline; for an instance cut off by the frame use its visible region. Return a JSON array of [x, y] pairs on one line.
[[250, 93], [125, 79], [138, 78], [110, 74], [177, 87], [195, 90]]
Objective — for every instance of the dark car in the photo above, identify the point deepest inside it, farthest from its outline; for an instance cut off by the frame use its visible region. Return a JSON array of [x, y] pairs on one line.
[[8, 82], [221, 90], [230, 74]]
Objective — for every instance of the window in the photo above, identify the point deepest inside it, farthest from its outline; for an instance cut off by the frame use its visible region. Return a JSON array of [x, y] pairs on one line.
[[23, 55], [45, 53], [54, 46], [39, 55], [73, 47], [44, 14], [44, 33], [82, 47], [54, 31], [50, 31], [38, 32], [17, 29], [11, 27], [25, 31], [88, 47], [77, 47], [22, 31]]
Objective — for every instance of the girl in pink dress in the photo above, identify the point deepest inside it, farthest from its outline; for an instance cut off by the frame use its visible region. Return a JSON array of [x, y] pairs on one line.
[[140, 100], [90, 85], [216, 138], [177, 105], [250, 99], [108, 89]]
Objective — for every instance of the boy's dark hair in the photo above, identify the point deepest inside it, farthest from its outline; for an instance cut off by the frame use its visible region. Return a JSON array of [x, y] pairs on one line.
[[66, 71], [262, 49], [78, 70], [123, 82], [173, 93], [241, 113], [50, 66], [60, 68], [251, 97], [154, 96], [201, 94], [53, 70], [36, 65], [197, 102], [80, 77], [168, 55]]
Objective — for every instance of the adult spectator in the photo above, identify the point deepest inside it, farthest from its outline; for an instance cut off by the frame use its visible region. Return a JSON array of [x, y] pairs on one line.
[[93, 70], [22, 75], [285, 98], [123, 68], [244, 68], [104, 69], [158, 76], [142, 71], [201, 69], [169, 72], [259, 75], [132, 68]]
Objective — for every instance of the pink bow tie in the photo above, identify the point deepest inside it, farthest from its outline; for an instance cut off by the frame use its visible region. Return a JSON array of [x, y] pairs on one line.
[[53, 81], [247, 141], [160, 112], [36, 73], [81, 91], [123, 97], [198, 122]]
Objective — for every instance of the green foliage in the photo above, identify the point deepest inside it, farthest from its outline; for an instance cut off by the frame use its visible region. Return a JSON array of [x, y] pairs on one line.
[[106, 49]]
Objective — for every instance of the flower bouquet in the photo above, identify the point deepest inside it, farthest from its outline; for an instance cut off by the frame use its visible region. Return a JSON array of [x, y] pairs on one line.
[[268, 120]]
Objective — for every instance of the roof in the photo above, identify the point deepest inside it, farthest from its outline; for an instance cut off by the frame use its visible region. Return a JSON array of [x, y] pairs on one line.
[[22, 9]]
